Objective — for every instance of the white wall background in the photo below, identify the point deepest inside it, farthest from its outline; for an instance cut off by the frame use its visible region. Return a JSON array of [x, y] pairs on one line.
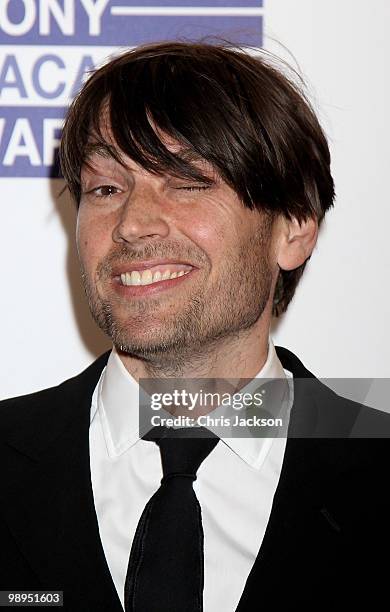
[[338, 321]]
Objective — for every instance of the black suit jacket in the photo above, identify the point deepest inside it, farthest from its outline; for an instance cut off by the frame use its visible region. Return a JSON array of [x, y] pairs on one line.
[[326, 542]]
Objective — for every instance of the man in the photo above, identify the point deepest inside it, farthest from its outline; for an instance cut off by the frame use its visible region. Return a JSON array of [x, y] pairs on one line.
[[201, 176]]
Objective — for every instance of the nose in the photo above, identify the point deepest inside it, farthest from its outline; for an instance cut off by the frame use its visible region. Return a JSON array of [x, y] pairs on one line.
[[141, 217]]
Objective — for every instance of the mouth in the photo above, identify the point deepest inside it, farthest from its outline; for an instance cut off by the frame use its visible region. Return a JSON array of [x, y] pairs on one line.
[[147, 279]]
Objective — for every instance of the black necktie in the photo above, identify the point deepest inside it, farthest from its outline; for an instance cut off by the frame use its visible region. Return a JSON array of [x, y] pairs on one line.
[[165, 571]]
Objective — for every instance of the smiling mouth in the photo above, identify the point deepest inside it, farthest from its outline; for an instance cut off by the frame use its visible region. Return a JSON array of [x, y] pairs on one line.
[[151, 280], [153, 275]]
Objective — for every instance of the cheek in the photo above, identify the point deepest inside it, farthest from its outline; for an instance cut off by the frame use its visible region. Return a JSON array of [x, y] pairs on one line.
[[82, 238], [207, 232], [207, 240], [90, 239]]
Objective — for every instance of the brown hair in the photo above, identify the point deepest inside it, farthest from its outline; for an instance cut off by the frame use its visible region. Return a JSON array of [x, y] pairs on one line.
[[235, 110]]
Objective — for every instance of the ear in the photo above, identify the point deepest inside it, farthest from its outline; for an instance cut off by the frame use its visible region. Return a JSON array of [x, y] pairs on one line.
[[297, 241]]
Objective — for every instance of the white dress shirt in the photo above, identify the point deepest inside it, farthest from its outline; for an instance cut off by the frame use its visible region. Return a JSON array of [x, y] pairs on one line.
[[235, 486]]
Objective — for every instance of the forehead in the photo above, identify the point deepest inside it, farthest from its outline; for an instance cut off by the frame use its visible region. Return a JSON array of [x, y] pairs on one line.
[[105, 132], [146, 148], [100, 156], [103, 150]]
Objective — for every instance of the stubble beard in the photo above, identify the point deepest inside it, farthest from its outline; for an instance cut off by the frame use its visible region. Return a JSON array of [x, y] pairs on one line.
[[205, 319]]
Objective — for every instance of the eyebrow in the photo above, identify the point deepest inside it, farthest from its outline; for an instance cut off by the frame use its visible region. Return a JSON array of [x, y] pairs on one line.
[[192, 157], [102, 149]]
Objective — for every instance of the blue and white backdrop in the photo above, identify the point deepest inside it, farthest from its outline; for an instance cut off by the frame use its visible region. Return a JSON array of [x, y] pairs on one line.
[[338, 321]]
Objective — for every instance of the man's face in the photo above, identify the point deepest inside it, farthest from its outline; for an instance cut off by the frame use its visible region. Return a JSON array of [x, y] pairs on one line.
[[130, 220]]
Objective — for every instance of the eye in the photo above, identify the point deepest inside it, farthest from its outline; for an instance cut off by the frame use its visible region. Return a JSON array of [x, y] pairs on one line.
[[101, 192], [105, 191]]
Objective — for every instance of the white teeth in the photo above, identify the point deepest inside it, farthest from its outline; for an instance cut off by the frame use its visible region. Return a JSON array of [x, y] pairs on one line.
[[135, 278], [146, 278]]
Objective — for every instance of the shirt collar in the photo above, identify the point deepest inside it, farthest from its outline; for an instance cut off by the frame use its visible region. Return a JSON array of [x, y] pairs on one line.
[[118, 399]]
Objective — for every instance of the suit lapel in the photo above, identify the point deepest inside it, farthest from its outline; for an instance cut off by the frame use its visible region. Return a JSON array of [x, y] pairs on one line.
[[301, 520], [48, 498]]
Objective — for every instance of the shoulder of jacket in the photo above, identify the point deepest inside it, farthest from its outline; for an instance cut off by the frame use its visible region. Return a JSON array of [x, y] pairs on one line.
[[30, 406]]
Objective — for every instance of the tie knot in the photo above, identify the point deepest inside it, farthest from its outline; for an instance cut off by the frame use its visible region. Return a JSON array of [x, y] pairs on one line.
[[182, 450], [171, 475]]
